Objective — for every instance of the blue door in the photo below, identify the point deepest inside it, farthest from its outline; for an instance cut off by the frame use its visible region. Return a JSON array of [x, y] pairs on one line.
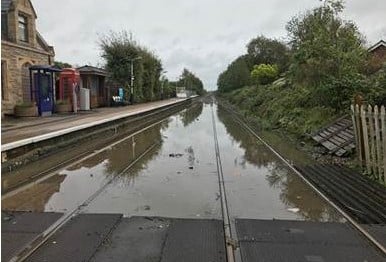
[[45, 101]]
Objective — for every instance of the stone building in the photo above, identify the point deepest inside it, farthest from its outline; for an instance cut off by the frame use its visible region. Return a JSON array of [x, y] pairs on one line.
[[21, 46]]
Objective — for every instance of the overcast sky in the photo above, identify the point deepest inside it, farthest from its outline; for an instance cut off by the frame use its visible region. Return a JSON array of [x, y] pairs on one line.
[[201, 35]]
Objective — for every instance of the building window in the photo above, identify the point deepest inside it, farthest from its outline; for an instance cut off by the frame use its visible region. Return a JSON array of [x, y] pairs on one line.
[[3, 80], [23, 28], [4, 26]]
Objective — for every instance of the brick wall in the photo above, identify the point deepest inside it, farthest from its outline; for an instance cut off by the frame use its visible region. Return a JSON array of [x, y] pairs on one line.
[[380, 53], [15, 53], [15, 57]]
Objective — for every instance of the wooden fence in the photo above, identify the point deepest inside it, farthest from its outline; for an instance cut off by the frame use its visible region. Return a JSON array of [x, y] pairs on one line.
[[370, 137]]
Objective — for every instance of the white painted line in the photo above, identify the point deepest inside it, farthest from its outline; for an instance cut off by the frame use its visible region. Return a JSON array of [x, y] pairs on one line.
[[58, 133]]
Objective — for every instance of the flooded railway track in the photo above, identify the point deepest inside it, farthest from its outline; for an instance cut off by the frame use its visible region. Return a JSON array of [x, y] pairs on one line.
[[229, 240], [177, 175], [41, 239], [341, 188], [54, 155]]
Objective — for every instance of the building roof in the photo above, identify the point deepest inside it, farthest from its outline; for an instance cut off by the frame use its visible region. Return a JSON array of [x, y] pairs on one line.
[[42, 42], [5, 5], [378, 44], [92, 70]]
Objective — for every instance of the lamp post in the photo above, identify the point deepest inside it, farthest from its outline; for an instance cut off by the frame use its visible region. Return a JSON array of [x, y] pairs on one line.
[[132, 77], [162, 84]]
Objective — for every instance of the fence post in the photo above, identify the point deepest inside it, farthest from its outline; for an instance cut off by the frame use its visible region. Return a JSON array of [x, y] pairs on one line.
[[365, 140], [383, 115], [372, 140], [378, 142], [358, 133]]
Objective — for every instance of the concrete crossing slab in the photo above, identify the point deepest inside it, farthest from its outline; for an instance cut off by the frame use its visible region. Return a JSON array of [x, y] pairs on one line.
[[285, 240], [135, 239], [378, 231], [164, 239], [18, 229], [195, 240], [78, 239]]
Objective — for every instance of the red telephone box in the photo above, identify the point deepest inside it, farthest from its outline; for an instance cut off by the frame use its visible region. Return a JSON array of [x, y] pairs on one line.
[[69, 83]]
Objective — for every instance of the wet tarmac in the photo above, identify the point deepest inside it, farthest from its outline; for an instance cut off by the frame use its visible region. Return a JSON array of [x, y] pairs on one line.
[[177, 177]]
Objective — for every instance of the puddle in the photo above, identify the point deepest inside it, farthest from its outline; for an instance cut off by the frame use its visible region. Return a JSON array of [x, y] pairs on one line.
[[178, 176]]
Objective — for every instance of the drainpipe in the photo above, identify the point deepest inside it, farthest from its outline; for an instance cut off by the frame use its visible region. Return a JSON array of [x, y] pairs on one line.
[[30, 84]]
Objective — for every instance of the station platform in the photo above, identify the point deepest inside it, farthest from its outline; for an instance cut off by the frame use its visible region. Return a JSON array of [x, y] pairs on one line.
[[20, 131]]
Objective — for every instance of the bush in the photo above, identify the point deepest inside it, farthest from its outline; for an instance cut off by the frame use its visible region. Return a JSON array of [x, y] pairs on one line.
[[281, 105], [264, 74]]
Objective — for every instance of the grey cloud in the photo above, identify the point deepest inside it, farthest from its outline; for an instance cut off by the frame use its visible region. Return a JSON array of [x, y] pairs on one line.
[[202, 35]]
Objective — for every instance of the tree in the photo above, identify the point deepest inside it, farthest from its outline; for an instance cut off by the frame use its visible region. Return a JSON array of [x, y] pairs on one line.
[[237, 75], [262, 50], [264, 74], [119, 52], [191, 82], [152, 71], [168, 88], [327, 56], [62, 65]]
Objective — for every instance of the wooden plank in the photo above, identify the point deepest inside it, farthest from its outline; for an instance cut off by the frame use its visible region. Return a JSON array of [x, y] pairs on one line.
[[350, 130], [343, 123], [336, 135], [343, 134], [325, 133], [383, 124], [346, 121], [361, 153], [345, 146], [337, 140], [352, 107], [340, 152], [372, 139], [365, 140], [332, 129], [349, 135], [377, 142], [329, 145], [317, 138]]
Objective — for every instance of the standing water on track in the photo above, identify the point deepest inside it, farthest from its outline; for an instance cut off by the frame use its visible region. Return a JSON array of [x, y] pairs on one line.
[[177, 177]]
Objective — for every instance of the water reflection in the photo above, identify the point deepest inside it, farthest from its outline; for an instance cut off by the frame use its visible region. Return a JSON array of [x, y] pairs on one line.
[[180, 181], [191, 159], [123, 154], [70, 187], [37, 196], [252, 164], [254, 151], [293, 192], [191, 114], [178, 176]]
